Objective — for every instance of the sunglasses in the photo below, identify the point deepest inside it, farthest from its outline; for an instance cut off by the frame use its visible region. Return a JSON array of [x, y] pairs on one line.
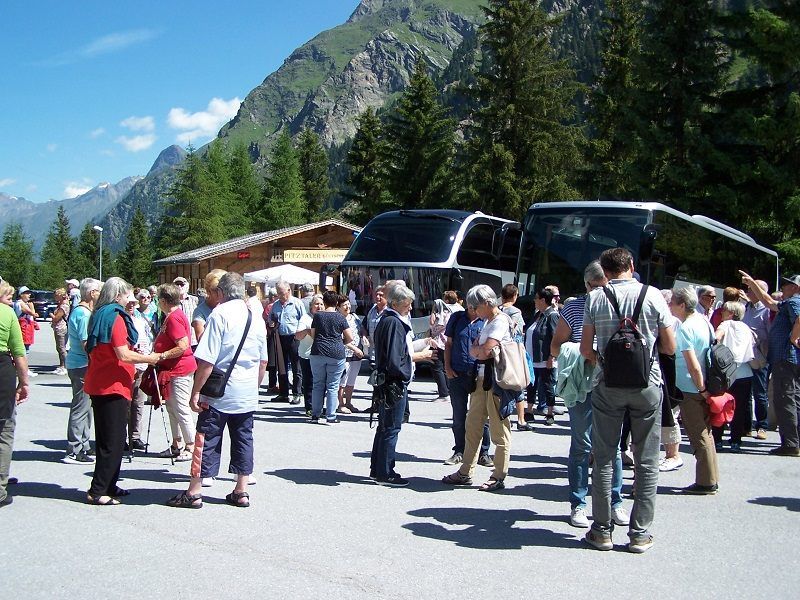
[[145, 297], [180, 283]]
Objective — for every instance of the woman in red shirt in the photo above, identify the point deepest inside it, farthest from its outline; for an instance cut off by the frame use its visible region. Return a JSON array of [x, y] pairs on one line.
[[176, 371], [108, 382]]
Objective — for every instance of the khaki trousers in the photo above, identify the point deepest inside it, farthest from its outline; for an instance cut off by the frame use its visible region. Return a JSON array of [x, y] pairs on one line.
[[695, 414], [482, 405]]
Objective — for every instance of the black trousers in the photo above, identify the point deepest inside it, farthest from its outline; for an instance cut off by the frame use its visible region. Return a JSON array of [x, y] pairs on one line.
[[291, 357], [110, 422]]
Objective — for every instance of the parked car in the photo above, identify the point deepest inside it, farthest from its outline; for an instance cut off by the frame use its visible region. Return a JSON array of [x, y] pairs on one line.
[[44, 302]]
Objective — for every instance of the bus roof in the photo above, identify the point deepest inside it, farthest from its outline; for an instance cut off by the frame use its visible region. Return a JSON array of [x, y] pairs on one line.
[[699, 220]]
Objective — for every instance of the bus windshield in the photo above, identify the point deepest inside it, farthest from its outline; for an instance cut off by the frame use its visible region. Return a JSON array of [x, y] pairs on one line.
[[427, 283], [558, 243], [412, 236]]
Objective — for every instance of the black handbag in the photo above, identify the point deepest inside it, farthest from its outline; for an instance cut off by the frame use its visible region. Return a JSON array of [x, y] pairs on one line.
[[217, 381]]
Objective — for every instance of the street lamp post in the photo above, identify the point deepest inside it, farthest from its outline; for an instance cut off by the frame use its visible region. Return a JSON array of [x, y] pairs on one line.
[[99, 230]]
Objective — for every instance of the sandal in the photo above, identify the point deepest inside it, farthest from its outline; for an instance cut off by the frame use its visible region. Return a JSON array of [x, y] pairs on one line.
[[457, 479], [186, 500], [492, 485], [344, 410], [96, 501], [235, 499], [119, 493]]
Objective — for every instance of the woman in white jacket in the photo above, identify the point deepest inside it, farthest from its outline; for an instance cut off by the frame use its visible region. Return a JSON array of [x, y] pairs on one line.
[[740, 339]]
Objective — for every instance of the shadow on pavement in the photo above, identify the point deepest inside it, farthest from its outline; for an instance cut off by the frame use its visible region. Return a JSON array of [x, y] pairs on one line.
[[60, 404], [34, 489], [488, 529], [560, 460], [56, 385], [155, 475], [792, 504], [51, 444], [549, 492], [403, 457], [326, 477], [38, 455]]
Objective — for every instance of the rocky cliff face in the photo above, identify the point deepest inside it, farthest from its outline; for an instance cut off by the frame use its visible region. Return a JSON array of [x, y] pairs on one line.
[[332, 79]]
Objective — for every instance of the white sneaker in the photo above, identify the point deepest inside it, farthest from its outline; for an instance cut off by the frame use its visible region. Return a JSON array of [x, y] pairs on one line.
[[620, 516], [578, 518], [60, 371], [670, 464], [208, 481], [32, 373]]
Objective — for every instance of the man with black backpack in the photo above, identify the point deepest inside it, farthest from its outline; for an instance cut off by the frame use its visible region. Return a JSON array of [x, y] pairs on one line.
[[627, 319]]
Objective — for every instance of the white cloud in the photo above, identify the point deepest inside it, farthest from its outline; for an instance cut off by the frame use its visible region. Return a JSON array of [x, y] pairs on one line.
[[96, 133], [77, 188], [202, 125], [139, 123], [6, 181], [51, 147], [136, 143], [31, 188], [107, 44]]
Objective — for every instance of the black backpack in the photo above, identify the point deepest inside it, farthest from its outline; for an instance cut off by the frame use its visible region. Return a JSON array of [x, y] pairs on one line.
[[626, 359], [720, 368]]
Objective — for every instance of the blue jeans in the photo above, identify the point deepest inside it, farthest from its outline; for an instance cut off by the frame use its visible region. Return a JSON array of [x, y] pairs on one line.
[[545, 387], [459, 399], [390, 420], [580, 426], [760, 400], [327, 372]]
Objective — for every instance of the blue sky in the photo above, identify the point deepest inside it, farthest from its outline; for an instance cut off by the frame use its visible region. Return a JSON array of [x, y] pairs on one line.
[[92, 91]]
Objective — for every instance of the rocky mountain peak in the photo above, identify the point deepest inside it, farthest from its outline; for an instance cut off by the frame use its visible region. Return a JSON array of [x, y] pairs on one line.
[[169, 157]]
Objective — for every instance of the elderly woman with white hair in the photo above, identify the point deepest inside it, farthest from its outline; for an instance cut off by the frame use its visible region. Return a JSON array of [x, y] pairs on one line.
[[691, 358], [485, 400], [737, 336], [109, 381]]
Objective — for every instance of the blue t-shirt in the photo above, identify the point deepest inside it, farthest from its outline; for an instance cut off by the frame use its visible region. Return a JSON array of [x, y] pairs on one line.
[[780, 347], [77, 332], [463, 334], [694, 334]]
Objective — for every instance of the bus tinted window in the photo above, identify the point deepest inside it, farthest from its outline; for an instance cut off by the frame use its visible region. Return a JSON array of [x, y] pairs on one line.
[[558, 244], [404, 238], [476, 249], [687, 252]]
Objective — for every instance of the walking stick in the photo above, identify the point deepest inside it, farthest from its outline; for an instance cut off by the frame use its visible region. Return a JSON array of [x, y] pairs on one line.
[[163, 417]]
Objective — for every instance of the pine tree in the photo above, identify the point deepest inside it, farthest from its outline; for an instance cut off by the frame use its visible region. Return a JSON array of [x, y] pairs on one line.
[[16, 257], [613, 149], [367, 174], [313, 174], [57, 256], [192, 217], [522, 148], [135, 262], [221, 192], [419, 146], [757, 125], [246, 188], [282, 203], [680, 74]]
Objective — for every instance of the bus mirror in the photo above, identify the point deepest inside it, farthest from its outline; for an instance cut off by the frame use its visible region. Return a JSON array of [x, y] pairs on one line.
[[499, 239], [647, 241]]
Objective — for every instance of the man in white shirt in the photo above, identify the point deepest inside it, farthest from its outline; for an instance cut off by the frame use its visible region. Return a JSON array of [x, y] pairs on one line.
[[223, 333], [188, 303]]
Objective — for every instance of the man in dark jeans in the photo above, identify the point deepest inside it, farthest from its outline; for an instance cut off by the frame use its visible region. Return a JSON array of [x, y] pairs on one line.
[[285, 317], [462, 330], [393, 361]]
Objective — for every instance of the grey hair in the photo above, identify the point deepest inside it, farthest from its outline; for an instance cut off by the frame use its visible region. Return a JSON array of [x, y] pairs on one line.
[[231, 285], [399, 294], [482, 294], [87, 286], [667, 295], [686, 296], [593, 272], [113, 288], [307, 287], [705, 289], [283, 285], [736, 309]]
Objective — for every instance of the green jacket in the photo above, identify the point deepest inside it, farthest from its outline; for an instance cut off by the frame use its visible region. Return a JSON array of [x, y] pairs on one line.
[[574, 375]]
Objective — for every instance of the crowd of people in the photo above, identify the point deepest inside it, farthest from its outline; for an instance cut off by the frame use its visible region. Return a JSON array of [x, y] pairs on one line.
[[206, 357]]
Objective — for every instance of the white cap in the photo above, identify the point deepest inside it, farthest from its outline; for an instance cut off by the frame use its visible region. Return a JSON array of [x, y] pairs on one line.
[[74, 282], [23, 289]]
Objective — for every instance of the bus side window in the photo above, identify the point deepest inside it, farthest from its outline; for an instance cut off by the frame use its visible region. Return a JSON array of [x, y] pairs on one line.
[[476, 249]]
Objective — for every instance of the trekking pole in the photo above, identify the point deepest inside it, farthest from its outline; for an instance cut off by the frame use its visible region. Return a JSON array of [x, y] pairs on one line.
[[149, 422]]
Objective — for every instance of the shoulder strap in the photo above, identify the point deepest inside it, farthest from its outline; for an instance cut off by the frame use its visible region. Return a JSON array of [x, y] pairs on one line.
[[613, 300], [241, 343], [639, 303]]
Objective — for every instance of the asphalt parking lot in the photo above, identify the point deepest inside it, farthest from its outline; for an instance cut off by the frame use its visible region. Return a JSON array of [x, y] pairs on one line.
[[319, 528]]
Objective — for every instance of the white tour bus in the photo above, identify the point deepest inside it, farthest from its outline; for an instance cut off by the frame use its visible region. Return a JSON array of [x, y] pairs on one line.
[[670, 249], [432, 251]]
